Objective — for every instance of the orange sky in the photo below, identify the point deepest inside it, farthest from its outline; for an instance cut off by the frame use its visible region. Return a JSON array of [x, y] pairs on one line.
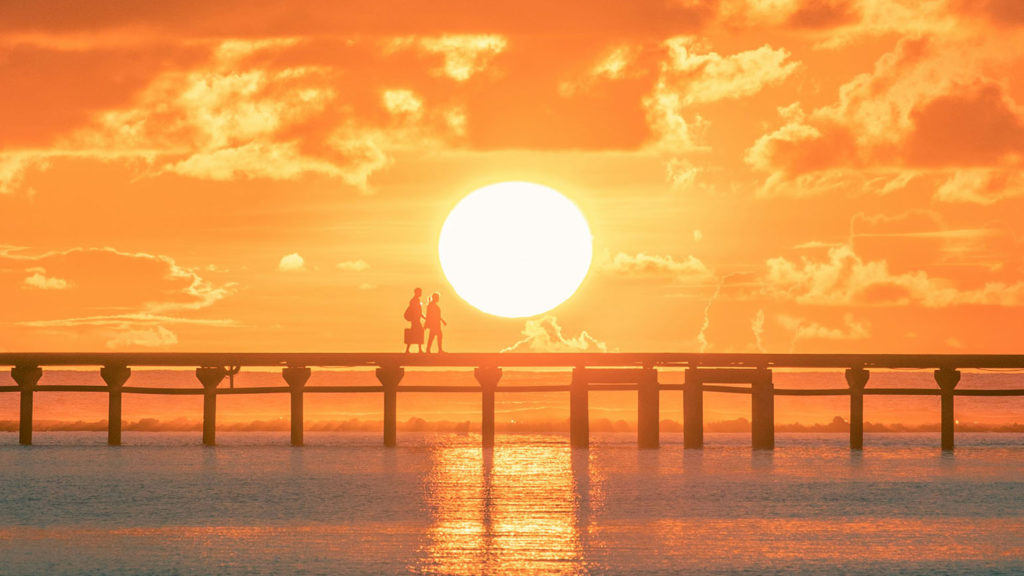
[[778, 175]]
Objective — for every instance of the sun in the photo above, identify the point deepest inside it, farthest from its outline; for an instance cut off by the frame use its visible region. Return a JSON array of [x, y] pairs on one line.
[[515, 249]]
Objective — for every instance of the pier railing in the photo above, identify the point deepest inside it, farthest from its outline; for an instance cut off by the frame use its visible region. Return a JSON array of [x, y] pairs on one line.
[[717, 373]]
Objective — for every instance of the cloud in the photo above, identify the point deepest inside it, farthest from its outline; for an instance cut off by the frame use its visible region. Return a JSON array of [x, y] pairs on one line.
[[147, 338], [238, 115], [803, 329], [110, 279], [690, 75], [232, 99], [273, 161], [701, 76], [981, 186], [13, 167], [837, 24], [689, 270], [82, 41], [226, 118], [465, 55], [292, 263], [545, 335], [999, 12], [39, 280], [918, 236], [799, 147], [973, 126], [403, 103], [617, 64], [845, 279], [140, 319], [928, 106], [365, 152], [824, 14], [107, 296], [684, 174], [353, 265], [702, 336], [16, 164], [757, 327], [673, 131]]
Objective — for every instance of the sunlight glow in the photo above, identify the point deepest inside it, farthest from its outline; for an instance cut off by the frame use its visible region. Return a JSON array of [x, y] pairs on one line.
[[515, 249]]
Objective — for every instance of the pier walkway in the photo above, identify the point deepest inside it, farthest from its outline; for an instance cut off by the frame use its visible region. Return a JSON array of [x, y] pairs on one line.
[[715, 373]]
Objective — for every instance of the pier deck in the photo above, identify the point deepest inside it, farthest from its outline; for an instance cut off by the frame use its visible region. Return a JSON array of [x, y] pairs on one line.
[[744, 373]]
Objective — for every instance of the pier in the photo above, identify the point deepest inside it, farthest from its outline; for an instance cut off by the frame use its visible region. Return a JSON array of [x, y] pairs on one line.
[[749, 374]]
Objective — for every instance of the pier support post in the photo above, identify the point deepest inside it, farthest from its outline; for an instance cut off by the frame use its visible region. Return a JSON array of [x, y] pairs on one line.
[[857, 379], [296, 377], [579, 410], [488, 378], [947, 379], [115, 377], [210, 377], [762, 411], [693, 409], [648, 409], [27, 377], [389, 377]]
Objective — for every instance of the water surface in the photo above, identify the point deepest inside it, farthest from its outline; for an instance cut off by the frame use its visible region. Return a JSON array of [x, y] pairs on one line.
[[440, 504]]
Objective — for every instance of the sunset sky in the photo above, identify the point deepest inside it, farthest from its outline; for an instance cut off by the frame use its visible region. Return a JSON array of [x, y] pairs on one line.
[[758, 175]]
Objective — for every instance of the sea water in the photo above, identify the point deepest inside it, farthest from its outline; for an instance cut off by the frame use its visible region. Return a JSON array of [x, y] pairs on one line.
[[441, 504]]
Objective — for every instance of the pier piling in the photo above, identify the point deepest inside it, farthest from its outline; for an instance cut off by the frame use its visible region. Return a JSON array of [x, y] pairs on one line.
[[857, 379], [648, 409], [210, 377], [26, 377], [488, 377], [389, 377], [296, 377], [693, 410], [947, 379], [762, 411], [746, 374], [115, 376], [579, 410]]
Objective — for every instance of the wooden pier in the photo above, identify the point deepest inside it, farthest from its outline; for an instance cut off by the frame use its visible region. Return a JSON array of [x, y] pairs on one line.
[[715, 373]]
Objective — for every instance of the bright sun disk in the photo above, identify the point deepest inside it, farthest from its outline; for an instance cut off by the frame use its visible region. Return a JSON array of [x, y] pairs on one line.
[[515, 249]]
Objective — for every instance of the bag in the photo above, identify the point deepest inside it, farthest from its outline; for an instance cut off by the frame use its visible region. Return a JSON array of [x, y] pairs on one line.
[[410, 314]]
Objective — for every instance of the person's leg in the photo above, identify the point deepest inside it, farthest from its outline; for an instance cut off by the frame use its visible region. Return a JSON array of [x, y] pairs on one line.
[[440, 339], [430, 340], [406, 348]]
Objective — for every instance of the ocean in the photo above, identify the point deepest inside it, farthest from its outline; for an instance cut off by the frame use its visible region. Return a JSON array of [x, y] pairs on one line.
[[441, 504]]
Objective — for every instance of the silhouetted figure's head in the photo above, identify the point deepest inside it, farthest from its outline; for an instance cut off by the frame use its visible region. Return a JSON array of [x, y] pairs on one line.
[[418, 292], [435, 296]]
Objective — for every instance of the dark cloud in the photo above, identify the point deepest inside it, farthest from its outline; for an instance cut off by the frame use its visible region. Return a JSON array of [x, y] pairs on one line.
[[387, 17], [49, 89], [97, 283], [999, 12], [973, 127], [820, 14]]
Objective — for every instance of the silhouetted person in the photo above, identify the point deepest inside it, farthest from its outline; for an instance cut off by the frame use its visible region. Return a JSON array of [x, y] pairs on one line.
[[434, 322], [414, 314]]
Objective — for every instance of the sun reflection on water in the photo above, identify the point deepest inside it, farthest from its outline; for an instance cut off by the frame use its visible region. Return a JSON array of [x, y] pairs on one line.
[[521, 509]]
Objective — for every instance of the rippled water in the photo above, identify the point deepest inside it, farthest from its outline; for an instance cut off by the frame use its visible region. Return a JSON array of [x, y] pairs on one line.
[[439, 504]]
